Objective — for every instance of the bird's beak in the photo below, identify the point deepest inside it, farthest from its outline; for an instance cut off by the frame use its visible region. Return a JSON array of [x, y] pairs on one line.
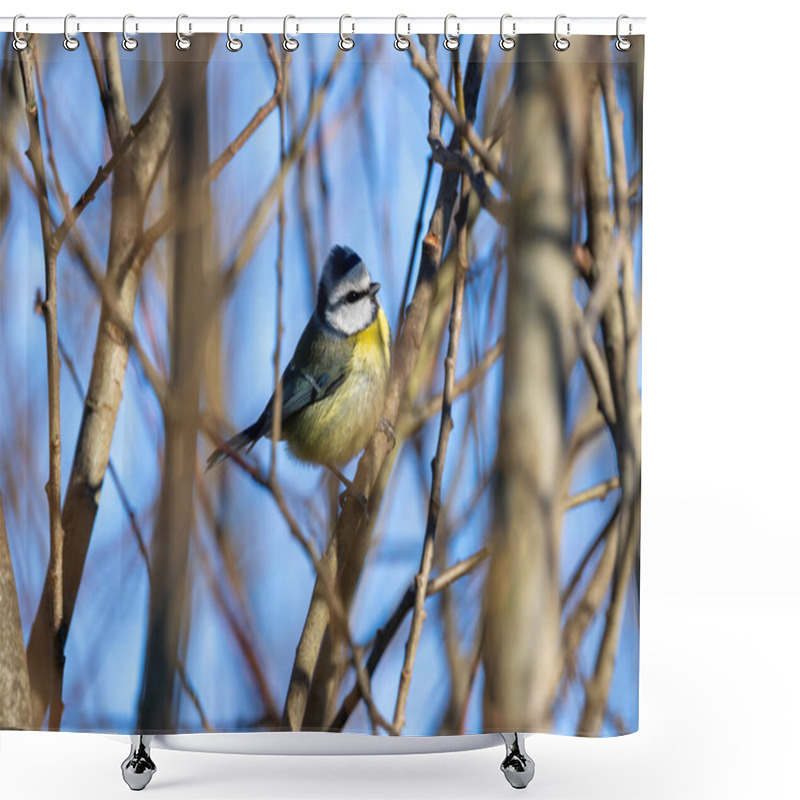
[[373, 289]]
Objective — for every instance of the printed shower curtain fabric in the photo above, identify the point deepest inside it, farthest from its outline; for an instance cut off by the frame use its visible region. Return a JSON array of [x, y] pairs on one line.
[[412, 280]]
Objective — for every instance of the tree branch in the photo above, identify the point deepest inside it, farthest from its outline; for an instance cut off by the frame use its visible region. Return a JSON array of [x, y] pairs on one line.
[[522, 592], [55, 569], [445, 426], [386, 633]]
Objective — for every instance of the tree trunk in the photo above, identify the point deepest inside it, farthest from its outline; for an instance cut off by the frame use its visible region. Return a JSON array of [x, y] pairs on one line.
[[522, 595]]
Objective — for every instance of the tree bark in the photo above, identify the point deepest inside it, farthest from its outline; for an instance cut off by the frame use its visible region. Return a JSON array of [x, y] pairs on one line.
[[190, 197], [522, 607], [15, 708]]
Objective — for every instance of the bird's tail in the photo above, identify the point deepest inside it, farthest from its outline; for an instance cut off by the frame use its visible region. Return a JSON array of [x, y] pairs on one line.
[[246, 438]]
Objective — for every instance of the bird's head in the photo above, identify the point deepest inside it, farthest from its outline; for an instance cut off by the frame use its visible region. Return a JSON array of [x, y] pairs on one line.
[[347, 300]]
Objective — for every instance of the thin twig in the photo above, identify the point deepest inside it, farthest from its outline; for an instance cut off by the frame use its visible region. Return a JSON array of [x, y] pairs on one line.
[[384, 635], [276, 358], [463, 385], [598, 687], [459, 119], [446, 425], [115, 477], [104, 172], [55, 569], [222, 160], [415, 243], [598, 492]]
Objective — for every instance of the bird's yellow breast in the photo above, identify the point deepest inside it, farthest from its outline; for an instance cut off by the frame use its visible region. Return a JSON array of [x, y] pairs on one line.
[[335, 429], [374, 343]]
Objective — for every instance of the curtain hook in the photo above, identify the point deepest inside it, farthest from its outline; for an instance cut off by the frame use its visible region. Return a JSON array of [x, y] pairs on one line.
[[346, 42], [401, 42], [290, 44], [623, 44], [19, 43], [560, 43], [233, 44], [506, 42], [450, 41], [182, 42], [128, 42], [70, 42]]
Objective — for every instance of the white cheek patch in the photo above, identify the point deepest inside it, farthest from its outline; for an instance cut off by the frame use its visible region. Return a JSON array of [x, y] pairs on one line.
[[351, 318]]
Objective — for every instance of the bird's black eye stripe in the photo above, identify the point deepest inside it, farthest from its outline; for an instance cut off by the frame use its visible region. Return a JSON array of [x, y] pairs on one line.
[[354, 297]]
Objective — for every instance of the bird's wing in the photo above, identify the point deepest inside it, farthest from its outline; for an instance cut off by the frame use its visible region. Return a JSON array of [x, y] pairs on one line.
[[303, 387]]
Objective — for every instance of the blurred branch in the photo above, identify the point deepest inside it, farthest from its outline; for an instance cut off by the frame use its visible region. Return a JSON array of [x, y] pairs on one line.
[[15, 710], [521, 592], [242, 631], [296, 147], [55, 569], [260, 115], [191, 270]]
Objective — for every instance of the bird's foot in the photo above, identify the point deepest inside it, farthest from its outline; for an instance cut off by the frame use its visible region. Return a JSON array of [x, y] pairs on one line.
[[349, 494], [387, 429]]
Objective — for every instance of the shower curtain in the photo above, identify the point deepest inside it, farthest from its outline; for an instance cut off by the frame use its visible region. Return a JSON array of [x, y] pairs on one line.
[[430, 532]]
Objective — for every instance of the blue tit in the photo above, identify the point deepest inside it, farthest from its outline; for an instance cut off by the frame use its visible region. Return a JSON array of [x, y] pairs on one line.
[[335, 384]]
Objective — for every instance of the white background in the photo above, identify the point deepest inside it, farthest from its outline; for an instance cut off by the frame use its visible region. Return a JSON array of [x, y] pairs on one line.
[[720, 554]]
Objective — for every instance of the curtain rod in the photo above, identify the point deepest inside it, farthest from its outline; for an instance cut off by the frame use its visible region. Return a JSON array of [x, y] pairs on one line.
[[571, 26]]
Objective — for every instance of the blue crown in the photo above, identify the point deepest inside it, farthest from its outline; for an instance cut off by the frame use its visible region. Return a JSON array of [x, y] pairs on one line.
[[342, 260]]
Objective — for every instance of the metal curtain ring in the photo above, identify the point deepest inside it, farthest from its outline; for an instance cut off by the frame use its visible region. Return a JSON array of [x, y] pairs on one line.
[[450, 41], [401, 42], [19, 43], [345, 42], [560, 43], [182, 42], [289, 43], [233, 44], [128, 42], [622, 44], [70, 42], [506, 42]]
